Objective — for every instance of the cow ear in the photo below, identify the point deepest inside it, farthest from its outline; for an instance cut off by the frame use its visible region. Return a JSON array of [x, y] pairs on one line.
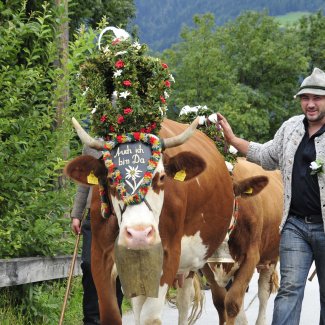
[[250, 186], [81, 167], [184, 166]]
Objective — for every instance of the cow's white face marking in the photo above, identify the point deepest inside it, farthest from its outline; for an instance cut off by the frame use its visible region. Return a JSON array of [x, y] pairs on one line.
[[220, 274], [139, 222], [193, 253]]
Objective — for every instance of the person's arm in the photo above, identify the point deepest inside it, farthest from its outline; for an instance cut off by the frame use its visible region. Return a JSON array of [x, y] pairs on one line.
[[240, 144], [79, 206]]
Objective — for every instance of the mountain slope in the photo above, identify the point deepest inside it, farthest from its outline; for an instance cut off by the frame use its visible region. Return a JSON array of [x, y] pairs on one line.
[[160, 22]]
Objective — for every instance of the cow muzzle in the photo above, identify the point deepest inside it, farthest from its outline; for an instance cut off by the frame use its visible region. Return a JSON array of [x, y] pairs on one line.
[[139, 237]]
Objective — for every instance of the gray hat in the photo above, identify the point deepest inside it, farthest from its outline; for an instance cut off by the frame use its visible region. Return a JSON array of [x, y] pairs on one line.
[[313, 84]]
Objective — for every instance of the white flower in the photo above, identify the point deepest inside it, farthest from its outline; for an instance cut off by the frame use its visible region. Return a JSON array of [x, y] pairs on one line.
[[166, 94], [106, 49], [201, 120], [230, 166], [120, 53], [213, 118], [94, 110], [163, 110], [171, 78], [132, 173], [136, 45], [85, 92], [232, 150], [117, 73], [316, 167], [124, 94]]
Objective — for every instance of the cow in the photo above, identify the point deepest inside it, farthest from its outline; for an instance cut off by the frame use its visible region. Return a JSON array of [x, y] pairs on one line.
[[189, 218], [253, 243]]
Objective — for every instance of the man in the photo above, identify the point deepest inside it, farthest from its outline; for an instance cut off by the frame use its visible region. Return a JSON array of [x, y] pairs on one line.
[[298, 150], [81, 202]]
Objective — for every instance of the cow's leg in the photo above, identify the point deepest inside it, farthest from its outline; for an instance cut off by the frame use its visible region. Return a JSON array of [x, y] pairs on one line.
[[264, 291], [218, 293], [235, 295], [241, 318], [184, 298], [137, 304], [152, 308]]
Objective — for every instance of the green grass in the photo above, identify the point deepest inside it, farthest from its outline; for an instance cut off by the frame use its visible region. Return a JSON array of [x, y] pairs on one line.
[[41, 303], [291, 17]]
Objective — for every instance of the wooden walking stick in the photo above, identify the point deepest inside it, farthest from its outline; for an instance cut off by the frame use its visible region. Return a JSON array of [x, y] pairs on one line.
[[312, 275], [74, 256]]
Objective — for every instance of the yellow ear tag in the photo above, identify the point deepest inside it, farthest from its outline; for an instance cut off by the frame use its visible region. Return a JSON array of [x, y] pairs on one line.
[[92, 179], [249, 191], [180, 175]]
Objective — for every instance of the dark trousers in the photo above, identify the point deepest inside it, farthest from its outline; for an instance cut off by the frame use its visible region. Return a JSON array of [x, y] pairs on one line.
[[90, 299]]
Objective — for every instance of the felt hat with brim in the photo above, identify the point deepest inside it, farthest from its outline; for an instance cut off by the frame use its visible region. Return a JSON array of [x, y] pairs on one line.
[[313, 84]]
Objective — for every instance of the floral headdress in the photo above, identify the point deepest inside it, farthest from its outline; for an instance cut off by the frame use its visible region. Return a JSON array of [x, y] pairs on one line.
[[126, 90]]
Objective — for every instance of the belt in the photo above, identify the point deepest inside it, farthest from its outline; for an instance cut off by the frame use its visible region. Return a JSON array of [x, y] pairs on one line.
[[313, 218]]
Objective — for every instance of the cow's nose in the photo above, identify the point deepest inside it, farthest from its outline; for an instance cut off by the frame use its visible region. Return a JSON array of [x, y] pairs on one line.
[[140, 237]]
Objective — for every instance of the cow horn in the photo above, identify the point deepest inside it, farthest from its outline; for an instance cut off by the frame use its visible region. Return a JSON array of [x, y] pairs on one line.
[[86, 138], [181, 138]]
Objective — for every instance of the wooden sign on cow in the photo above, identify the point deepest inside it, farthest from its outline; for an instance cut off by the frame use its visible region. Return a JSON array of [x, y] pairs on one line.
[[132, 160]]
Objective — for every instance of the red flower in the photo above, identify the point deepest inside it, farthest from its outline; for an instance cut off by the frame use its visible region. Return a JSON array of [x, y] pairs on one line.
[[153, 125], [116, 41], [163, 100], [148, 129], [118, 178], [103, 118], [111, 128], [153, 140], [128, 110], [167, 83], [120, 119], [136, 136], [119, 64], [164, 65], [147, 175], [142, 130], [127, 83], [119, 139]]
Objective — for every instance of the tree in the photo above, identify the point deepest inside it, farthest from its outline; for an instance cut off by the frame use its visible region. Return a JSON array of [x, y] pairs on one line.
[[248, 69], [311, 31]]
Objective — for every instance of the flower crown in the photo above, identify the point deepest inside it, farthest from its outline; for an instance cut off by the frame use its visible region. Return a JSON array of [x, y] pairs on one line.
[[125, 89]]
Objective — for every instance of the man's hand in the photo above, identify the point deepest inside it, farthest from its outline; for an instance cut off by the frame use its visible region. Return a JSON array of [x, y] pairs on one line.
[[75, 225], [240, 144], [227, 130]]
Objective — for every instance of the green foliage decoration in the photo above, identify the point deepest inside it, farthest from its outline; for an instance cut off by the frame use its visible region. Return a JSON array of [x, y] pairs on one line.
[[211, 129], [125, 89]]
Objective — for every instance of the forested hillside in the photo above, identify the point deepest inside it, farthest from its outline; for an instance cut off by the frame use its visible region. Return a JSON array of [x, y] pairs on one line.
[[159, 22]]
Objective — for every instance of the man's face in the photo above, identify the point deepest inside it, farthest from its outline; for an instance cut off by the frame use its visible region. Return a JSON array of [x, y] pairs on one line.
[[313, 106]]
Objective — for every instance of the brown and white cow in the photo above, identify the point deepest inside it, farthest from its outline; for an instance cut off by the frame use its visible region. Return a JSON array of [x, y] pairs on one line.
[[254, 243], [190, 218]]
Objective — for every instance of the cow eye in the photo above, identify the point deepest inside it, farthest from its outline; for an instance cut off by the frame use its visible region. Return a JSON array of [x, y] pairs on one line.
[[162, 177]]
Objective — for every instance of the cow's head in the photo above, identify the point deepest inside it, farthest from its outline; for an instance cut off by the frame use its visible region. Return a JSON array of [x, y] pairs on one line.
[[138, 222]]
